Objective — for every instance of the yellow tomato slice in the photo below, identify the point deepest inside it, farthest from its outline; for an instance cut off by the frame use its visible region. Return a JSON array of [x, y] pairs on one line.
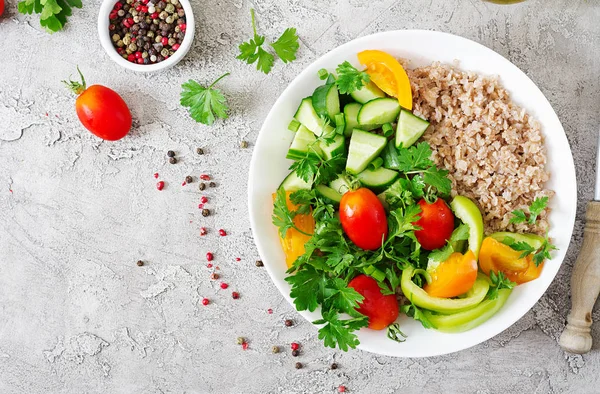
[[293, 243], [388, 74], [454, 276], [496, 256]]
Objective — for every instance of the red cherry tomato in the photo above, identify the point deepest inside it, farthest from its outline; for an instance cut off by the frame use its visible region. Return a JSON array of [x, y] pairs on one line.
[[1, 7], [382, 310], [436, 222], [363, 218], [101, 110]]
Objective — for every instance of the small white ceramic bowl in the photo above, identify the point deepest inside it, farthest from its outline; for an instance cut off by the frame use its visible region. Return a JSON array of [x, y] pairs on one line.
[[106, 41]]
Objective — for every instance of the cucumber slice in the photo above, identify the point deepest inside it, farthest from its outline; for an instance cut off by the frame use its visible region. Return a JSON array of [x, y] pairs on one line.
[[307, 115], [329, 194], [351, 115], [336, 148], [377, 180], [340, 184], [326, 101], [367, 93], [378, 112], [364, 147], [410, 128], [293, 182], [302, 143]]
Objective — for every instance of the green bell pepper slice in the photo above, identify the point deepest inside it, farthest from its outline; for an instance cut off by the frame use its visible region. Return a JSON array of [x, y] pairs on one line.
[[469, 213], [535, 241], [466, 320], [420, 298]]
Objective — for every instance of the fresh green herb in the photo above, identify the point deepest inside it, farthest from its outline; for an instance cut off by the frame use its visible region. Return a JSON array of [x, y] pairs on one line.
[[539, 255], [522, 246], [411, 310], [349, 78], [287, 45], [544, 252], [340, 332], [323, 74], [499, 281], [313, 167], [460, 233], [395, 334], [387, 129], [535, 209], [308, 200], [204, 103], [282, 217], [252, 51], [53, 13]]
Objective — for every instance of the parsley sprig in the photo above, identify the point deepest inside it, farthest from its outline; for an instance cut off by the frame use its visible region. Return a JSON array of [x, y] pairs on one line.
[[283, 217], [349, 78], [204, 104], [461, 233], [499, 281], [285, 47], [539, 255], [313, 167], [53, 13], [535, 209]]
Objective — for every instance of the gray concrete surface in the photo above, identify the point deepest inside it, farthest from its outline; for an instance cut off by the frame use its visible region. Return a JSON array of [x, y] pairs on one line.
[[76, 313]]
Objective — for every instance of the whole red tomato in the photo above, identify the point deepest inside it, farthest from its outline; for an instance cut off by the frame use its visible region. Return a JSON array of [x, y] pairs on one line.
[[1, 7], [382, 310], [363, 218], [436, 222], [101, 110]]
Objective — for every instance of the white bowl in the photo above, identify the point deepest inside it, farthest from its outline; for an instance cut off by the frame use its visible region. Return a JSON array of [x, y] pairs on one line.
[[105, 39], [269, 166]]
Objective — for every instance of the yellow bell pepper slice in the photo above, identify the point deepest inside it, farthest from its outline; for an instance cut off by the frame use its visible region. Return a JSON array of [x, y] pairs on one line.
[[496, 256], [388, 74], [294, 240]]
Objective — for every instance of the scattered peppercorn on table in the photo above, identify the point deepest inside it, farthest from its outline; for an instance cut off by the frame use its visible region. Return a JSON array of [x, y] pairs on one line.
[[129, 266]]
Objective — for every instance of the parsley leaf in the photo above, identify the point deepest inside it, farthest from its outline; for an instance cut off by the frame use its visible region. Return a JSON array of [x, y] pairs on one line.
[[308, 288], [53, 13], [344, 298], [340, 332], [499, 281], [544, 252], [523, 247], [461, 233], [394, 333], [204, 103], [401, 221], [438, 178], [282, 217], [306, 168], [536, 207], [287, 45], [411, 310], [518, 217], [415, 158], [349, 78]]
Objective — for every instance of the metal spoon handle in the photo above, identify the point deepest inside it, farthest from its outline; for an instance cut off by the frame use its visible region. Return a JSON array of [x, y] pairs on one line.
[[585, 286]]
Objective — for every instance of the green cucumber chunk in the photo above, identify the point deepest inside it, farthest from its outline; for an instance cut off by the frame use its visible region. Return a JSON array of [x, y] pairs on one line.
[[410, 128], [303, 143], [351, 116], [469, 319], [307, 115], [533, 240], [326, 101], [329, 194], [420, 298], [293, 182], [364, 148], [469, 213], [367, 93], [336, 148], [378, 179], [378, 112]]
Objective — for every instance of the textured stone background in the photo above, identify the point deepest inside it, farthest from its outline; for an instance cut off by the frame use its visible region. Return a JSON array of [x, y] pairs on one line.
[[77, 315]]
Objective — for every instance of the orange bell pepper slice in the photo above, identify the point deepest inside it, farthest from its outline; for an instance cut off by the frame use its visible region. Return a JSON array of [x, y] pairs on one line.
[[294, 240], [388, 74], [454, 276], [496, 256]]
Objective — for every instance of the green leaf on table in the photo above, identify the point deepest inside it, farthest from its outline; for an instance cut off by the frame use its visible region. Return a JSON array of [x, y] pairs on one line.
[[204, 104]]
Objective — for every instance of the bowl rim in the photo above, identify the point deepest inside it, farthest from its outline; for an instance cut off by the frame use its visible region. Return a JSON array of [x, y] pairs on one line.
[[106, 42], [569, 192]]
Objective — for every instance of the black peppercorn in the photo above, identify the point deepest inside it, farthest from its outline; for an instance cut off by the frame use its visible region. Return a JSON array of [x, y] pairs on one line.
[[259, 263], [288, 323], [298, 365], [334, 366], [140, 263], [295, 353], [171, 153], [173, 160], [212, 184], [202, 186], [200, 151], [205, 212], [189, 179]]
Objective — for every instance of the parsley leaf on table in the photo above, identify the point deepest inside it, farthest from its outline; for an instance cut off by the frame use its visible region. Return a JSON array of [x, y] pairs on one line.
[[204, 103], [535, 209], [53, 13], [252, 51], [499, 281], [287, 45], [349, 78], [340, 332]]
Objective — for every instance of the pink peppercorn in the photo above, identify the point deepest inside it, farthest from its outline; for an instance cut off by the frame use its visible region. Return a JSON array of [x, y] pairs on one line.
[[204, 200], [238, 259], [224, 285], [156, 173], [205, 301], [164, 41], [205, 177], [295, 346], [209, 265], [209, 256], [175, 47], [222, 233], [245, 345], [270, 311], [235, 295], [160, 185], [203, 231], [342, 389]]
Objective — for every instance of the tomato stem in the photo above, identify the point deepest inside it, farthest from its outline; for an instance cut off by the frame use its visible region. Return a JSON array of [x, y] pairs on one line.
[[76, 87]]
